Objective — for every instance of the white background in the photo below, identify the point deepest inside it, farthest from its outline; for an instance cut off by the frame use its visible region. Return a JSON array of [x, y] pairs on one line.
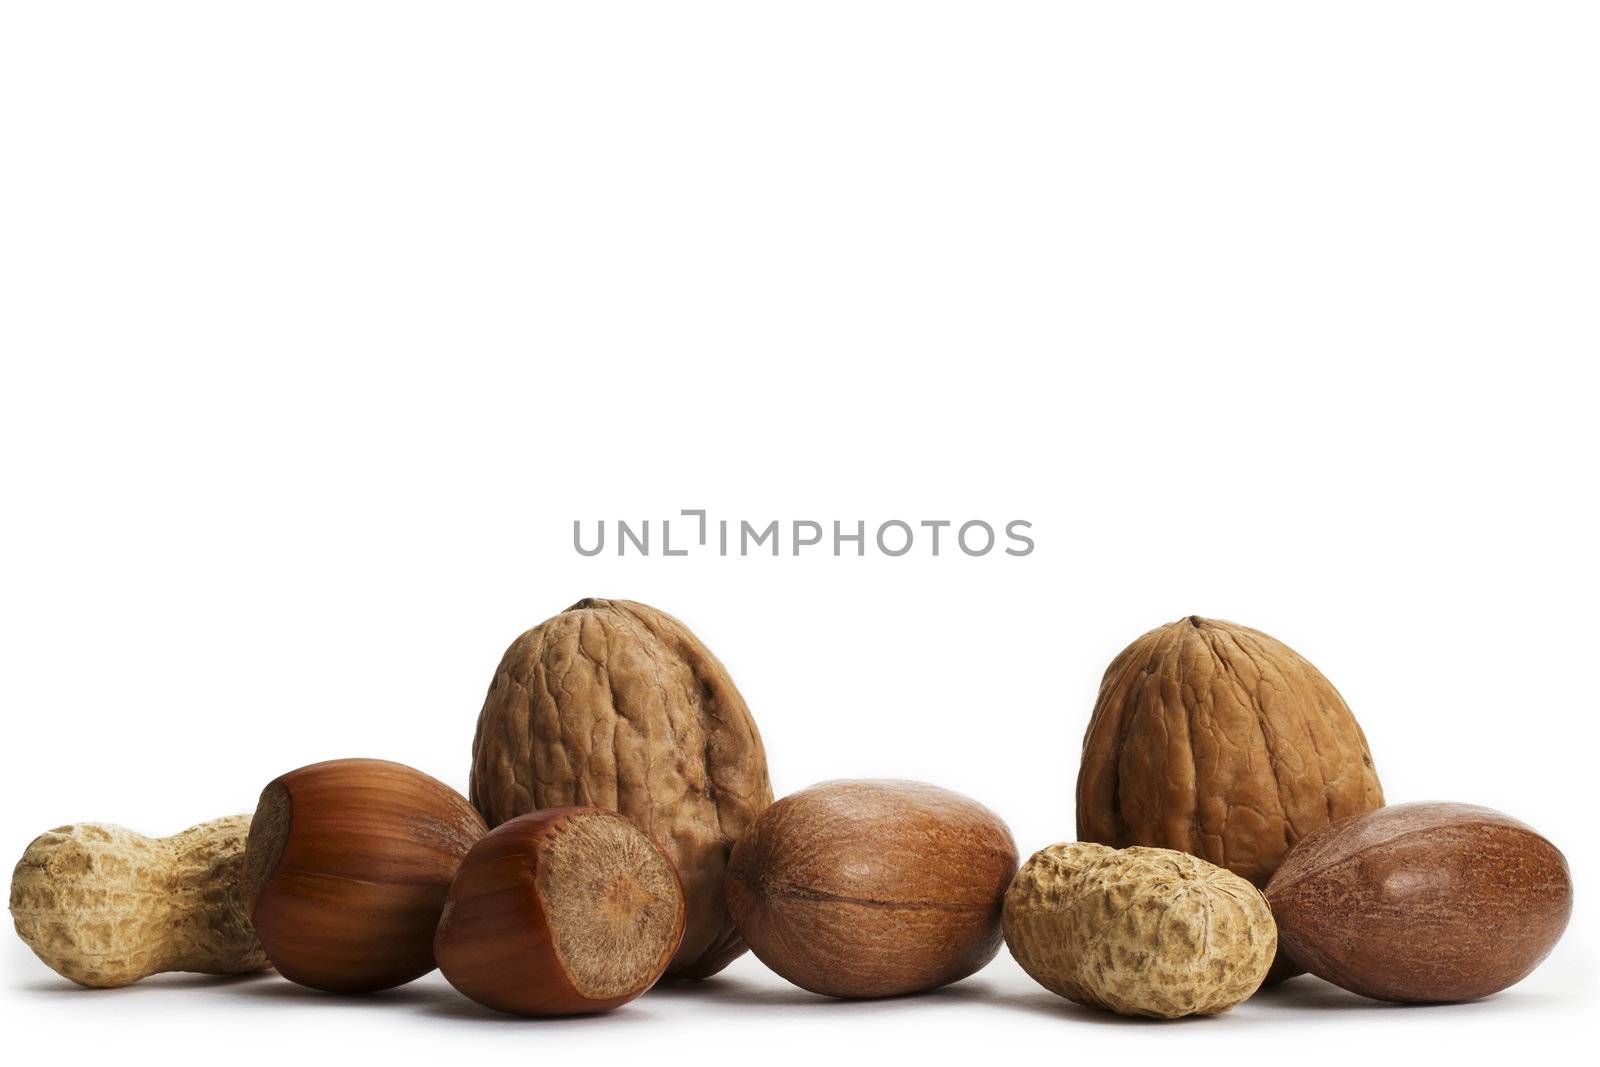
[[322, 323]]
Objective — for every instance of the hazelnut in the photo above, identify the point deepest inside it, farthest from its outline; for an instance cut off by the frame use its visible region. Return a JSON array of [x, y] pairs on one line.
[[346, 871], [561, 912]]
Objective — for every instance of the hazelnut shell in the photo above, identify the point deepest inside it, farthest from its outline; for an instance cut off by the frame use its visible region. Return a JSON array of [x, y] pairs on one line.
[[346, 871], [563, 911]]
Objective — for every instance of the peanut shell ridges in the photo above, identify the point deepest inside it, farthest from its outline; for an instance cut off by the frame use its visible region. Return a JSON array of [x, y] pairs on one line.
[[1139, 931], [105, 906]]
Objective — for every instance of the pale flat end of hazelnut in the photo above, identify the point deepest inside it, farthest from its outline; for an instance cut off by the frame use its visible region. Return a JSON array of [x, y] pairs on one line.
[[613, 904]]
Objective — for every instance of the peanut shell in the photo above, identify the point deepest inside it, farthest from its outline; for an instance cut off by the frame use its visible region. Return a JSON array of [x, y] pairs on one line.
[[1139, 931], [105, 906]]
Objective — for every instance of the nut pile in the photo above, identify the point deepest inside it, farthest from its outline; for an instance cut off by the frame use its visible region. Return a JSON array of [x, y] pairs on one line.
[[621, 830]]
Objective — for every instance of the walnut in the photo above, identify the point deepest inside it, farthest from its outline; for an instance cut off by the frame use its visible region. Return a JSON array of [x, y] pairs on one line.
[[1138, 931], [613, 704], [1215, 739]]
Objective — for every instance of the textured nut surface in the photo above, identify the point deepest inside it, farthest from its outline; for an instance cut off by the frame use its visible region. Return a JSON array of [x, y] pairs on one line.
[[561, 911], [105, 906], [872, 888], [614, 704], [1422, 902], [1215, 739], [1139, 931]]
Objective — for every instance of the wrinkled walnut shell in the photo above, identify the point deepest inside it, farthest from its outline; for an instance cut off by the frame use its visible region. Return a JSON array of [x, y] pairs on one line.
[[1214, 739], [614, 704]]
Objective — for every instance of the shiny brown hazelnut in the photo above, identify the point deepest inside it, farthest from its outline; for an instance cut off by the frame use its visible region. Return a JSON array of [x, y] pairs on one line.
[[346, 871], [562, 911]]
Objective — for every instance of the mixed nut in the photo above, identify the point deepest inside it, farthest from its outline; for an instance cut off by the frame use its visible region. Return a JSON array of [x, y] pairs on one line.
[[621, 829], [872, 888]]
